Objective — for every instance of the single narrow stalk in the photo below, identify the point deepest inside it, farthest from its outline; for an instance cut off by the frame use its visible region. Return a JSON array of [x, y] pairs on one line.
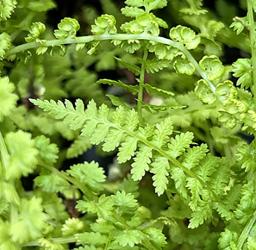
[[141, 84], [250, 16], [4, 152], [245, 233], [121, 37]]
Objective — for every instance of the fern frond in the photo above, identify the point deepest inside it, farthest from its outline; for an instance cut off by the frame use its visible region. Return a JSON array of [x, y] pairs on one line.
[[162, 132], [160, 169], [6, 8], [120, 129], [195, 155], [127, 149], [179, 144], [73, 116]]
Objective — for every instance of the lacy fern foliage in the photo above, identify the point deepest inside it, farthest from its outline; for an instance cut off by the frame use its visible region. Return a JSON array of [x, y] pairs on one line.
[[177, 121]]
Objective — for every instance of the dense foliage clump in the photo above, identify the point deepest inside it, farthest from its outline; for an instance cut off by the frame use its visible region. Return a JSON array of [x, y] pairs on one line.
[[149, 84]]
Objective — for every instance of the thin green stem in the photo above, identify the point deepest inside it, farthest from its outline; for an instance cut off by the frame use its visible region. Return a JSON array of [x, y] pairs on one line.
[[250, 16], [120, 37], [141, 84], [4, 152], [245, 233]]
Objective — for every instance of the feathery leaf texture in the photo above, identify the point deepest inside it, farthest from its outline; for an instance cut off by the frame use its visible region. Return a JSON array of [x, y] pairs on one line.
[[7, 97], [120, 129], [72, 116]]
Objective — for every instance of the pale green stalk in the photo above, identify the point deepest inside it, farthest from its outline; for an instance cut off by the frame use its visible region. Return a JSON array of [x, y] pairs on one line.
[[4, 152], [120, 37], [245, 233]]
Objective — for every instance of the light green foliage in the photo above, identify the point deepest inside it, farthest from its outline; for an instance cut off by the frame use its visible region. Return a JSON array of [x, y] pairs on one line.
[[88, 173], [23, 155], [185, 35], [47, 244], [129, 138], [73, 118], [6, 9], [67, 28], [183, 66], [52, 183], [194, 8], [7, 97], [29, 221], [5, 44], [238, 25], [79, 146], [182, 175], [204, 93], [123, 207], [160, 169], [180, 143], [71, 226], [212, 66], [48, 152], [243, 70], [35, 31], [149, 5], [145, 23], [228, 240], [105, 24], [141, 162]]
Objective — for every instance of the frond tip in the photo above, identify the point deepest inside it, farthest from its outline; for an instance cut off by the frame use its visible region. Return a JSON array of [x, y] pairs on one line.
[[73, 116]]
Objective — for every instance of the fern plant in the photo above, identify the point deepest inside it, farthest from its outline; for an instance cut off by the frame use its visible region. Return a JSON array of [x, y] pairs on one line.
[[175, 126]]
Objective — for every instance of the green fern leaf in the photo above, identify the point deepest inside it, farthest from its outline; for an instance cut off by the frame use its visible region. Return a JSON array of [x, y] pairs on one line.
[[127, 149], [7, 98], [195, 155], [6, 9], [129, 238], [23, 154], [154, 65], [162, 132], [141, 162], [196, 190], [30, 221], [125, 201], [198, 217], [180, 181], [160, 169], [132, 11], [112, 140], [89, 174], [48, 152], [99, 134], [52, 183], [74, 117], [130, 88], [101, 125], [179, 144]]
